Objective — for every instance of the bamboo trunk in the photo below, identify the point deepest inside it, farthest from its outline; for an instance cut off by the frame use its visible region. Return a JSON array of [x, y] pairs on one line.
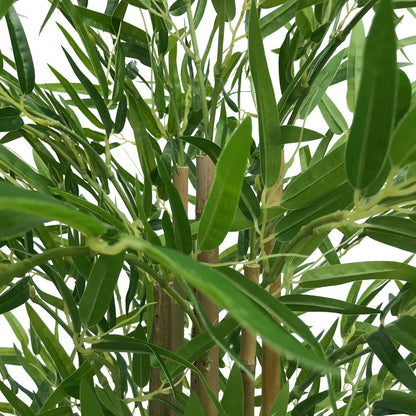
[[271, 370], [248, 349], [208, 365], [168, 319]]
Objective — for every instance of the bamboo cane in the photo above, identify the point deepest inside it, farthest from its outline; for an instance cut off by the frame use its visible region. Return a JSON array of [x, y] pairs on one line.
[[208, 365], [271, 370], [248, 349], [168, 320]]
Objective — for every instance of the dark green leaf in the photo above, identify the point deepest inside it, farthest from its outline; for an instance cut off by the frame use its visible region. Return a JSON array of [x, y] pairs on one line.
[[121, 115], [395, 402], [15, 296], [18, 405], [385, 350], [5, 6], [10, 119], [14, 224], [100, 287], [141, 362], [374, 116], [21, 52]]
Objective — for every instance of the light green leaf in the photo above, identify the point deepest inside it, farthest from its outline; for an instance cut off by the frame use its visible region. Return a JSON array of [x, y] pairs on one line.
[[90, 406], [33, 203], [316, 181], [59, 356], [21, 52], [331, 114], [280, 405], [100, 288], [371, 128], [269, 125], [226, 188], [337, 274]]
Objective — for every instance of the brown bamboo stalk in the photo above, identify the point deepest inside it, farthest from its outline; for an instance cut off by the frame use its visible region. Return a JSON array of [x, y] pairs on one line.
[[208, 365], [168, 319], [248, 349], [271, 370]]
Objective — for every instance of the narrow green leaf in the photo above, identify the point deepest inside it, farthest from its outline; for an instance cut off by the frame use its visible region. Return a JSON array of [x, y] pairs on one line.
[[120, 75], [121, 115], [373, 119], [403, 331], [308, 303], [403, 95], [21, 52], [94, 94], [269, 125], [70, 89], [319, 179], [355, 63], [193, 407], [395, 402], [141, 363], [403, 143], [62, 411], [22, 169], [33, 203], [232, 400], [331, 114], [320, 85], [54, 5], [15, 296], [395, 231], [100, 288], [18, 405], [5, 6], [10, 119], [337, 274], [296, 134], [385, 350], [90, 406], [183, 235], [59, 356], [226, 188], [280, 405], [308, 405], [15, 224]]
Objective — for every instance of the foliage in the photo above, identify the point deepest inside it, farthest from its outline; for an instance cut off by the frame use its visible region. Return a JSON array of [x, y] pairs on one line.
[[86, 237]]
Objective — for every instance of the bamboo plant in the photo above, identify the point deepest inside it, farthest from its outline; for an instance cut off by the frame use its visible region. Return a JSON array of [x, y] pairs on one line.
[[181, 283]]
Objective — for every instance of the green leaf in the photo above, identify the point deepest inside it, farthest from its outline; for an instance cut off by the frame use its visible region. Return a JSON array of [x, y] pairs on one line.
[[316, 181], [141, 363], [355, 63], [296, 134], [59, 356], [385, 350], [21, 52], [308, 303], [226, 188], [5, 6], [94, 94], [15, 224], [373, 119], [21, 408], [395, 231], [181, 226], [232, 400], [403, 331], [403, 142], [395, 402], [33, 203], [120, 75], [19, 167], [333, 117], [269, 125], [320, 85], [121, 115], [17, 295], [193, 407], [280, 405], [10, 119], [338, 274], [90, 406], [97, 295], [54, 5], [403, 95]]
